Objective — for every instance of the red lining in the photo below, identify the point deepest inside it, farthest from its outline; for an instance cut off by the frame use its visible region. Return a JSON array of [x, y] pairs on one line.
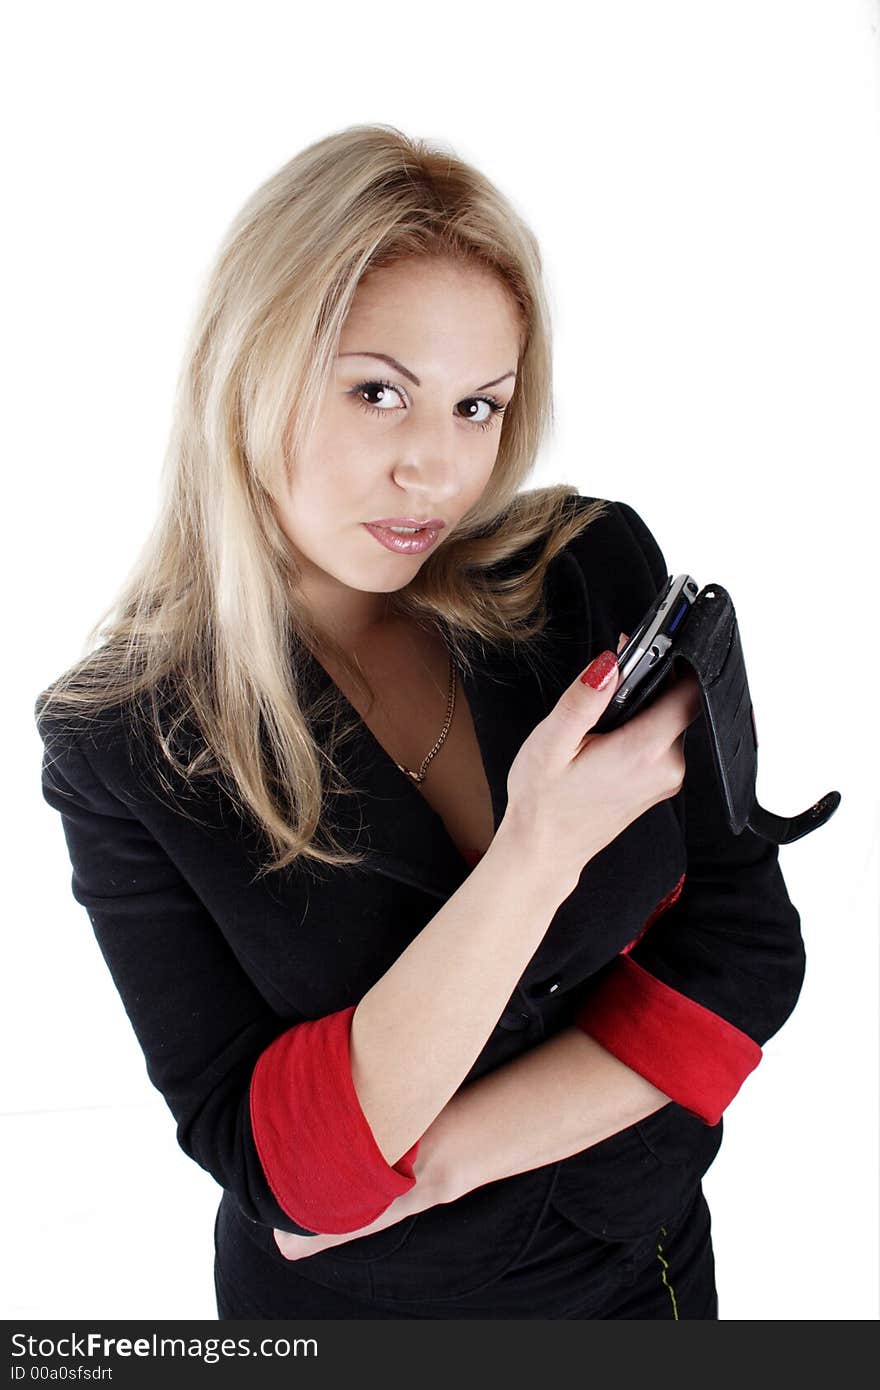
[[473, 856], [694, 1056], [314, 1142], [661, 907]]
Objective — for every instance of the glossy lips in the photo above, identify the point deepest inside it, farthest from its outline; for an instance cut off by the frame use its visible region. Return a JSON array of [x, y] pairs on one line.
[[403, 545]]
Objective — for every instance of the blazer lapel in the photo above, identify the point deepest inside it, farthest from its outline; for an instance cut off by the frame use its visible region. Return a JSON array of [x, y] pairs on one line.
[[388, 820]]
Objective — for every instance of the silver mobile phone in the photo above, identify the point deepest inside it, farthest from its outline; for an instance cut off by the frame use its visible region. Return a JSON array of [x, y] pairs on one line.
[[653, 637]]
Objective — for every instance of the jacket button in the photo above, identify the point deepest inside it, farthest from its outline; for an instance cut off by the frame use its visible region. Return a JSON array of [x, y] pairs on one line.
[[548, 986], [514, 1021]]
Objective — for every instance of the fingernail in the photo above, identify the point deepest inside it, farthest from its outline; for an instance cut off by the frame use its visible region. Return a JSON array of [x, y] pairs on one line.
[[600, 671]]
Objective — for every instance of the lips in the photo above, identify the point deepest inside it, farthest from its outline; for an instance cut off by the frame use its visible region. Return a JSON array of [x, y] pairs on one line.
[[414, 544]]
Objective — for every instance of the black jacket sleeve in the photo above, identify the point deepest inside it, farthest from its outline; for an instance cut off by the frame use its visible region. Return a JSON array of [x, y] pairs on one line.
[[249, 1090], [719, 969]]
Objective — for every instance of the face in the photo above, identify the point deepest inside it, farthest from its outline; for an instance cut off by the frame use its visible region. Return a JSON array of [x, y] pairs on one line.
[[411, 435]]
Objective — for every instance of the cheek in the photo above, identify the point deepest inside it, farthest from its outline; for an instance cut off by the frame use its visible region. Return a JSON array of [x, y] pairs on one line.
[[340, 463], [326, 480], [486, 469]]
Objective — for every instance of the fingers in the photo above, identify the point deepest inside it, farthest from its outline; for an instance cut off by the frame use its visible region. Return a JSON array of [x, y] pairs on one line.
[[580, 706], [675, 707], [687, 689]]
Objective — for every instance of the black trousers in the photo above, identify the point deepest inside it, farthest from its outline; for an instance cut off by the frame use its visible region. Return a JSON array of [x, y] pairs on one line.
[[563, 1273]]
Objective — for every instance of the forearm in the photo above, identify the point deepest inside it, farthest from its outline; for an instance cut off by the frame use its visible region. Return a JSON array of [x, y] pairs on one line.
[[416, 1033], [558, 1099]]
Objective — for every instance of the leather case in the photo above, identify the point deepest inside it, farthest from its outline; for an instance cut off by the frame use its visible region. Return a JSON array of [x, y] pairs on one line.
[[708, 640]]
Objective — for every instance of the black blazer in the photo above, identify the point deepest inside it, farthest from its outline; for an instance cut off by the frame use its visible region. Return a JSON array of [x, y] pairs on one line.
[[213, 965]]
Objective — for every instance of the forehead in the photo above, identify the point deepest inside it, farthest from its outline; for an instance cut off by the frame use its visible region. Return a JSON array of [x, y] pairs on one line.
[[445, 302]]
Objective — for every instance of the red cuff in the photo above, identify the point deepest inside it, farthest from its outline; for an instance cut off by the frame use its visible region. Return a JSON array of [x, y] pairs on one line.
[[317, 1150], [692, 1055]]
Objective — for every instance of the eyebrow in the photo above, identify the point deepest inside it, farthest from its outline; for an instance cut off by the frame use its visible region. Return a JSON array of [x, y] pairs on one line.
[[404, 371]]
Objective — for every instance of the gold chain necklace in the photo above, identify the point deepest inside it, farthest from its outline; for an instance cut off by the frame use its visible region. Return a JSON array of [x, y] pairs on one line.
[[419, 776]]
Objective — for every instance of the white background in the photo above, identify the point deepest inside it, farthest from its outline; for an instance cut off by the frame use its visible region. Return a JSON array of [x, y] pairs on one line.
[[703, 180]]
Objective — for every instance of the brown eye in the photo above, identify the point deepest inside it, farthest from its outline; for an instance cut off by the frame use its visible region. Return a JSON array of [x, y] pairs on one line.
[[488, 422], [376, 386]]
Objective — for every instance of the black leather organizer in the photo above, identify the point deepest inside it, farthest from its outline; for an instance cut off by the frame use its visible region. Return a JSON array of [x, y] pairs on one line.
[[708, 640]]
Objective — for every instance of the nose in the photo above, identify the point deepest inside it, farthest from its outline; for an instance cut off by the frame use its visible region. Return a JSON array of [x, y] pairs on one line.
[[427, 461]]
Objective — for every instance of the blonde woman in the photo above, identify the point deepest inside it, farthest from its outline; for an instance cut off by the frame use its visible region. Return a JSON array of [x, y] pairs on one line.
[[448, 994]]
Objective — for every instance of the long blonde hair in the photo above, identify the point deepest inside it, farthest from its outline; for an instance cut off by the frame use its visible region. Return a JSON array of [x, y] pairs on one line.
[[209, 609]]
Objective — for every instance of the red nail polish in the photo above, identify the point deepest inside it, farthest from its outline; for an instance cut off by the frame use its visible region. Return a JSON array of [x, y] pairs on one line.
[[600, 671]]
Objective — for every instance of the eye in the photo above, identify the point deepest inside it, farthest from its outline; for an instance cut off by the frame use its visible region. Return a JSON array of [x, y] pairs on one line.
[[487, 422], [382, 386]]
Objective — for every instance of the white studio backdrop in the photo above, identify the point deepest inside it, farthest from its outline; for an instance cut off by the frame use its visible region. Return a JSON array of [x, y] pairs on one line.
[[703, 182]]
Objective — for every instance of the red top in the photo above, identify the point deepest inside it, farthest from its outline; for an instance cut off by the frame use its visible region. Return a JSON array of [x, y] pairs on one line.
[[473, 856]]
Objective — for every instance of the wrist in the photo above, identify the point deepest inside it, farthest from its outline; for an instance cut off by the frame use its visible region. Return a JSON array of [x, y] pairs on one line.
[[435, 1166], [532, 858]]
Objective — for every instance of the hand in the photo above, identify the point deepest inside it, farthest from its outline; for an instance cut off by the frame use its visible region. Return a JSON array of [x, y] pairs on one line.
[[294, 1247], [571, 792], [434, 1172]]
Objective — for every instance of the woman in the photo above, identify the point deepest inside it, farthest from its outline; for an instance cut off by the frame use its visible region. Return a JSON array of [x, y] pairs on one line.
[[447, 993]]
